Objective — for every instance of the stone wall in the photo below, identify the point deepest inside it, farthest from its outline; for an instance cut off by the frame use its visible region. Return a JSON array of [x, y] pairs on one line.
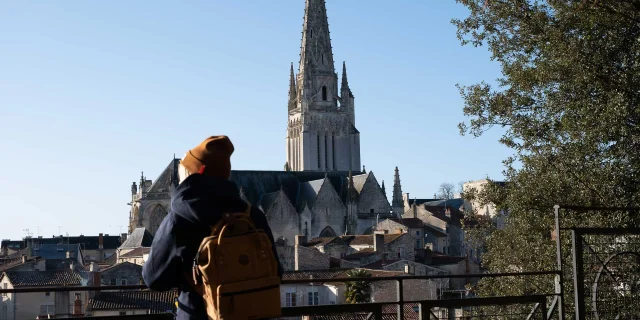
[[283, 219], [128, 272], [328, 211], [371, 198], [413, 290], [286, 255], [405, 242]]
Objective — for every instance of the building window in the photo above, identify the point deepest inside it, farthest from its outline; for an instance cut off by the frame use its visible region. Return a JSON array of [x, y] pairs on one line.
[[123, 282], [324, 93], [46, 294], [318, 138], [418, 234], [418, 244], [311, 33], [113, 282], [313, 298], [333, 151], [400, 252], [290, 299], [123, 313], [47, 309], [326, 150], [372, 211]]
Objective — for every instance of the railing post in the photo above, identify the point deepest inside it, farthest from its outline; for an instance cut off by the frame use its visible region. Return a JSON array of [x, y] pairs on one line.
[[377, 313], [559, 286], [400, 299], [578, 273]]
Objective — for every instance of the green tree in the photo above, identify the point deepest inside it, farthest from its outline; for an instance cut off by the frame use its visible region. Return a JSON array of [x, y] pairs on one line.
[[358, 291], [568, 103]]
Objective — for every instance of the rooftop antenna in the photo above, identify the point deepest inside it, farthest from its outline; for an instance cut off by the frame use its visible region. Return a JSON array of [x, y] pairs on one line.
[[29, 234], [59, 232]]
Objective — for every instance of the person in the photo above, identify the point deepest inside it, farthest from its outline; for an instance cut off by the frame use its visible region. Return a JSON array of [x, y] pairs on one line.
[[198, 203]]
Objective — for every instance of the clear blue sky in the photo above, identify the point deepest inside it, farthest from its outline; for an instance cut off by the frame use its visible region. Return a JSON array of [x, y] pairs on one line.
[[93, 92]]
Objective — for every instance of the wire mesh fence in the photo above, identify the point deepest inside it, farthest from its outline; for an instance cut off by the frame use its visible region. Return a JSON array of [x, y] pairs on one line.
[[608, 279]]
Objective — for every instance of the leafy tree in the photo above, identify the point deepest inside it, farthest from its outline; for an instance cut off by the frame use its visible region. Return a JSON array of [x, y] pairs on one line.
[[569, 104], [358, 291]]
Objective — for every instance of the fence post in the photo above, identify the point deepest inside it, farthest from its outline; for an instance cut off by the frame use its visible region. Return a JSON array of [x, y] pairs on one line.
[[400, 299], [559, 287], [578, 273]]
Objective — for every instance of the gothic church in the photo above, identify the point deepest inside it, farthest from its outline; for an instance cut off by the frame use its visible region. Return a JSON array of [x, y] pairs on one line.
[[322, 191]]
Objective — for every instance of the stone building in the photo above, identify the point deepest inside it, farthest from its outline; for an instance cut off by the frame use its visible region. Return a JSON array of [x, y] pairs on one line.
[[322, 191], [121, 274]]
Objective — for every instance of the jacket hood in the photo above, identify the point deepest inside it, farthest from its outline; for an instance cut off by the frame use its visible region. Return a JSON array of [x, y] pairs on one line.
[[203, 198]]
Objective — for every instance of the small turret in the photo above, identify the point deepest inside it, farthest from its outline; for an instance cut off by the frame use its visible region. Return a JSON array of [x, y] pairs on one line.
[[134, 189]]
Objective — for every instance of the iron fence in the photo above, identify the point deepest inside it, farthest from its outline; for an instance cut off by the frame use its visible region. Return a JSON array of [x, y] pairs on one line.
[[604, 265]]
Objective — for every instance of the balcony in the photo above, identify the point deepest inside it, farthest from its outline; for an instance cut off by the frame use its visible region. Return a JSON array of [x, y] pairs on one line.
[[535, 306]]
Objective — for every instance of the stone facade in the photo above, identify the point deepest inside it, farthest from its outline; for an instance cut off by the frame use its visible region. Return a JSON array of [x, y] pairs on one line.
[[121, 274], [321, 132]]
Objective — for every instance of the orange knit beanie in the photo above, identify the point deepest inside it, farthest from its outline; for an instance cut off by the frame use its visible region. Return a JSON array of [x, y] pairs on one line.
[[212, 157]]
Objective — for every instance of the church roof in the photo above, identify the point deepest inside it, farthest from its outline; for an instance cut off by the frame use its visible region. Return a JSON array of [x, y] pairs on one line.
[[359, 181], [298, 186], [166, 180], [268, 200], [140, 237]]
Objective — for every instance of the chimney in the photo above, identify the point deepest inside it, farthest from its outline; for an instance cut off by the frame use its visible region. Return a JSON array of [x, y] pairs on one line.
[[408, 269], [378, 243], [100, 241], [71, 266], [69, 255], [93, 267], [301, 240], [24, 258], [77, 306], [123, 238]]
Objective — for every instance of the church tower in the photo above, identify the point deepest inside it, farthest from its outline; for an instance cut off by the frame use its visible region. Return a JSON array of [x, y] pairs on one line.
[[321, 131], [397, 203]]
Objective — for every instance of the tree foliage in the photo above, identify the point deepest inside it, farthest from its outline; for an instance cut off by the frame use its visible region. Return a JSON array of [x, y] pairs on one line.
[[569, 104], [358, 291]]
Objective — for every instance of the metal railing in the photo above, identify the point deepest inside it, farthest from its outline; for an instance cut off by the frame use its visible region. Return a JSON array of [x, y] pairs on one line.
[[434, 309]]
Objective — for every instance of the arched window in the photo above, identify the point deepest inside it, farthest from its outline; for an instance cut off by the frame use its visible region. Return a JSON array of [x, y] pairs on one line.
[[327, 233], [324, 93], [123, 282]]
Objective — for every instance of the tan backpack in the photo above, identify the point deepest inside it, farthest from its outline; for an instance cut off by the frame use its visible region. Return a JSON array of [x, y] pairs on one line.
[[237, 272]]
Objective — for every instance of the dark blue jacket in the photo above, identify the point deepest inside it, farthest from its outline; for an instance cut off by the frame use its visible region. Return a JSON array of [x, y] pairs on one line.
[[196, 205]]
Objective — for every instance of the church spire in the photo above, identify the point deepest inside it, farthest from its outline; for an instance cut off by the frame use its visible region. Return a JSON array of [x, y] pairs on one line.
[[293, 95], [316, 55], [397, 204], [345, 91]]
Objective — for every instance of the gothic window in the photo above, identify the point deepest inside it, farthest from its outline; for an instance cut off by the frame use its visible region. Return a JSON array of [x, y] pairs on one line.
[[324, 93], [156, 218], [306, 229], [327, 233], [318, 152], [311, 33], [333, 151], [322, 57], [326, 153]]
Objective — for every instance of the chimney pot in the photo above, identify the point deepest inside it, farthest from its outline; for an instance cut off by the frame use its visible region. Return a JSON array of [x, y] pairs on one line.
[[301, 240], [24, 258], [93, 267], [100, 241]]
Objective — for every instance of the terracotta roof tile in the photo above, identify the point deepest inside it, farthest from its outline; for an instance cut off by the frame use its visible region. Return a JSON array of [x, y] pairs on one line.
[[155, 301]]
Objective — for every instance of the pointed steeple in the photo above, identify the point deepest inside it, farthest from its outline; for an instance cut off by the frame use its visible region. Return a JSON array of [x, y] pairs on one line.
[[316, 54], [351, 189], [397, 204], [345, 91], [293, 94], [384, 190]]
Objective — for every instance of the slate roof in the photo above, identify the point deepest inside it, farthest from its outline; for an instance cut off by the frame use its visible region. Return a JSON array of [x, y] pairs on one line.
[[55, 251], [413, 223], [63, 264], [268, 200], [440, 259], [421, 201], [359, 181], [360, 254], [45, 278], [155, 301], [123, 264], [166, 181], [358, 240], [377, 265], [86, 242], [316, 274], [137, 252], [389, 312], [140, 237], [435, 230]]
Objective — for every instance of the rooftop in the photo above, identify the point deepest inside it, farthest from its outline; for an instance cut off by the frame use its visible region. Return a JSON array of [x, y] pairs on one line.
[[154, 301]]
